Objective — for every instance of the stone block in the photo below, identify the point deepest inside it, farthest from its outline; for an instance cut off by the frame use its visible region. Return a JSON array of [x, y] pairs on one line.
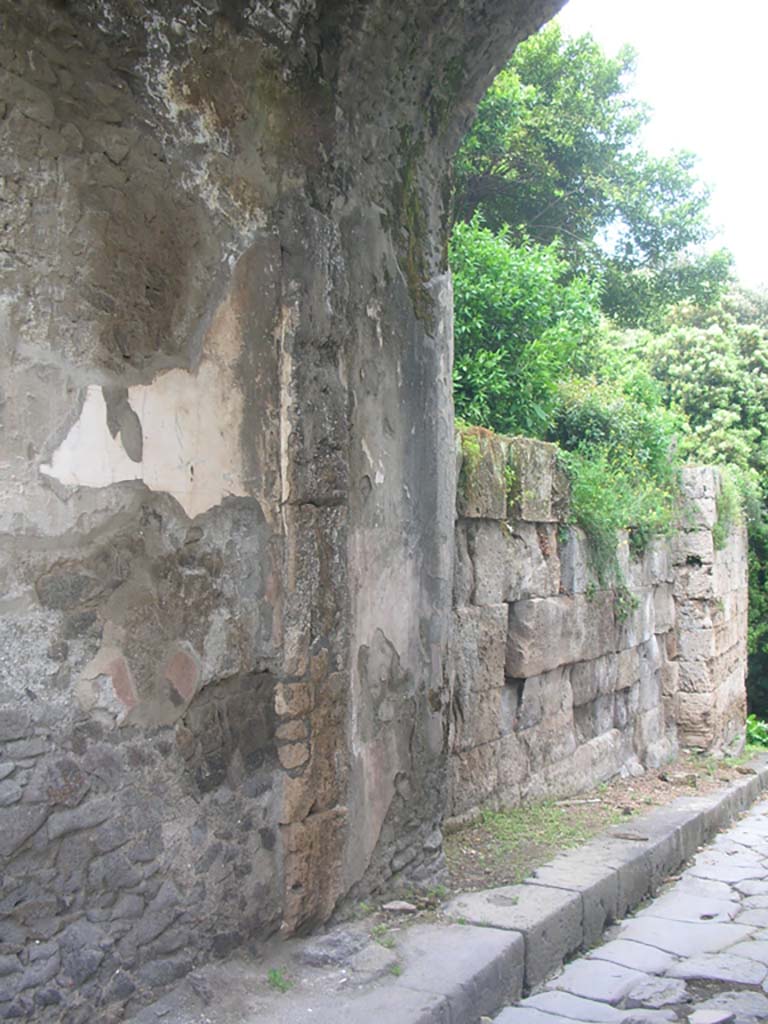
[[577, 574], [482, 479], [479, 648], [670, 677], [627, 668], [590, 679], [693, 547], [696, 719], [639, 623], [664, 610], [463, 569], [551, 741], [579, 872], [479, 718], [545, 633], [543, 697], [474, 777], [550, 920], [513, 768], [594, 718], [539, 489], [599, 980], [697, 644], [475, 969], [650, 675], [514, 560], [696, 582], [652, 567]]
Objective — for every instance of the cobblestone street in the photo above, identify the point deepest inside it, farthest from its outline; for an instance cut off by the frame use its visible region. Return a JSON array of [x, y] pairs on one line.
[[697, 953]]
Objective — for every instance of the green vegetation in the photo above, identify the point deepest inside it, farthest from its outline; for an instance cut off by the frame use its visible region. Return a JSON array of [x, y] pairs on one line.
[[381, 934], [757, 732], [554, 156], [277, 980], [587, 314]]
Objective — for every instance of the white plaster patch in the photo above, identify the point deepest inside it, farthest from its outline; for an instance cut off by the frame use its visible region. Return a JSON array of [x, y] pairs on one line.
[[190, 424]]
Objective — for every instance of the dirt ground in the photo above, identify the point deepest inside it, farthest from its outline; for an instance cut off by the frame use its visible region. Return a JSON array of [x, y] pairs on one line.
[[502, 848]]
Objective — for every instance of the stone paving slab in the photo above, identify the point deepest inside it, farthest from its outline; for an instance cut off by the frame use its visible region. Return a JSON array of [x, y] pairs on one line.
[[575, 1007], [691, 906], [600, 980], [636, 955], [684, 938], [721, 967]]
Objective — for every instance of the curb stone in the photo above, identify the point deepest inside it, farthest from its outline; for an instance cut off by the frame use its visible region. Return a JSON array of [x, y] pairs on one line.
[[494, 945]]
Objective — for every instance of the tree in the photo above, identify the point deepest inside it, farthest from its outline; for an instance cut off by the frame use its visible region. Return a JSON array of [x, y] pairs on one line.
[[520, 324], [554, 154], [712, 364]]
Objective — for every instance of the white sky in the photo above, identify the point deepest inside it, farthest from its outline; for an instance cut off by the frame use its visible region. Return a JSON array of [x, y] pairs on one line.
[[702, 66]]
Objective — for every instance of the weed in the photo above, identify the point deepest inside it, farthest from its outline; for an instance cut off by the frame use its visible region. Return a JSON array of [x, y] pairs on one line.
[[438, 894], [381, 934], [757, 732], [625, 602], [396, 970], [729, 511], [278, 981]]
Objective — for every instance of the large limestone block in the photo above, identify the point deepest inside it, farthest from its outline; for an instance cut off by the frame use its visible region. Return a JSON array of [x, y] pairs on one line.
[[627, 668], [463, 569], [595, 718], [545, 633], [551, 740], [652, 566], [545, 696], [638, 626], [696, 582], [695, 614], [478, 718], [693, 547], [577, 573], [670, 676], [482, 478], [697, 644], [650, 675], [474, 778], [696, 676], [695, 719], [590, 763], [538, 487], [479, 648], [514, 560], [664, 610], [590, 679], [513, 769]]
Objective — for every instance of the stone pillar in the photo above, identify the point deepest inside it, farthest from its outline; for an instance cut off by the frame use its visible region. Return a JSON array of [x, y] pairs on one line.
[[711, 596]]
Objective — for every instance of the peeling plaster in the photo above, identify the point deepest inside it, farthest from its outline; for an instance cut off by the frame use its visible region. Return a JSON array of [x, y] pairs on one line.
[[190, 430]]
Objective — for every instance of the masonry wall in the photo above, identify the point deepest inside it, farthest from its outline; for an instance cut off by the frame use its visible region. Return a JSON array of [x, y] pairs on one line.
[[711, 596], [226, 480], [561, 681]]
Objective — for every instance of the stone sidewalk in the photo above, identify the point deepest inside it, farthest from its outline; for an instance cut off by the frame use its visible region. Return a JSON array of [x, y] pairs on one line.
[[487, 949], [697, 953]]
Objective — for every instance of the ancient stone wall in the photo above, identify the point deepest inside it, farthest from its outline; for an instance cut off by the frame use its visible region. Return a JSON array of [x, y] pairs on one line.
[[711, 597], [226, 483], [561, 680]]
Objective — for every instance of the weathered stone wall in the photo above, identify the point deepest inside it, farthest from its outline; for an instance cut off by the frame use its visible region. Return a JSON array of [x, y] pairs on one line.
[[226, 485], [559, 681], [711, 596]]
